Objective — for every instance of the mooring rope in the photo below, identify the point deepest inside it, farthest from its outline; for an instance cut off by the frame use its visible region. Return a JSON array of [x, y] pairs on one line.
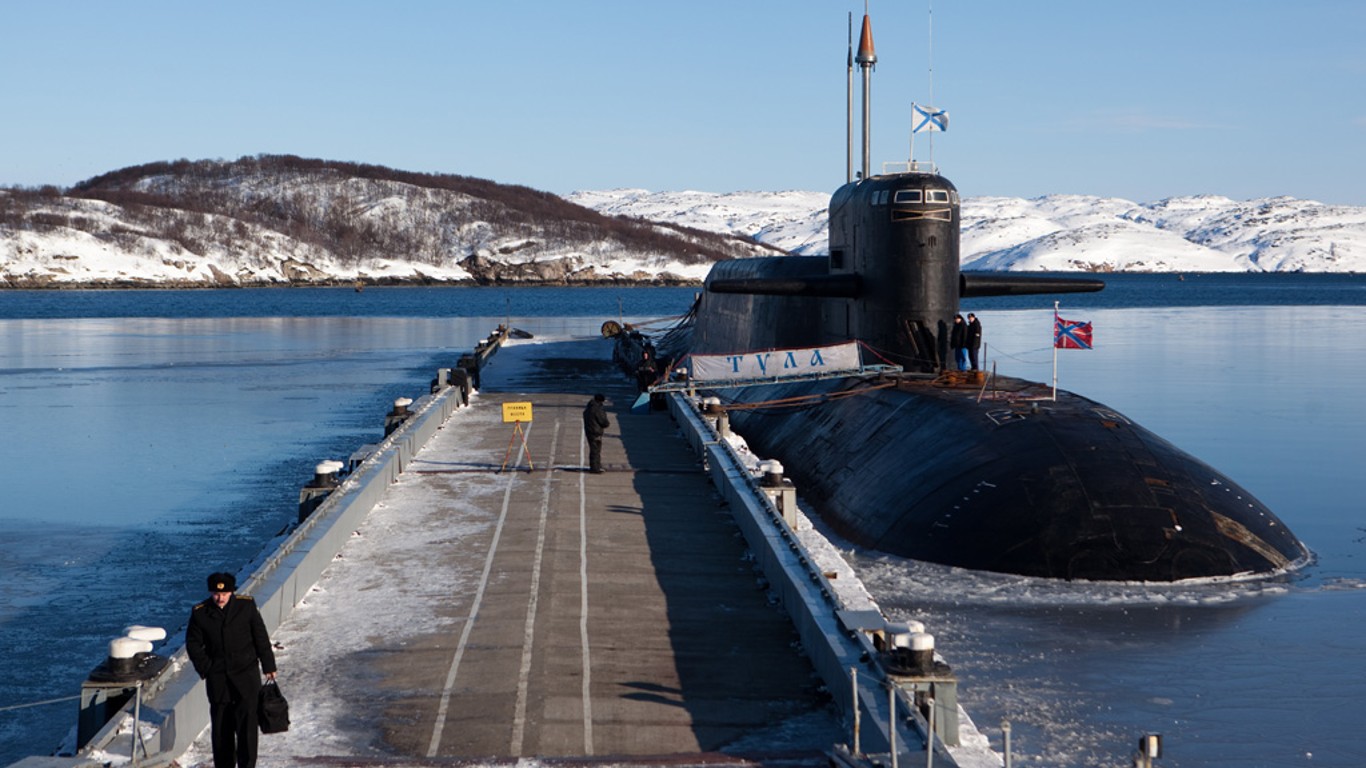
[[38, 703]]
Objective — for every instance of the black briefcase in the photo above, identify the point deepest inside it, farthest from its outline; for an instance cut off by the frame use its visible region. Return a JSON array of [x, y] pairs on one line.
[[272, 711]]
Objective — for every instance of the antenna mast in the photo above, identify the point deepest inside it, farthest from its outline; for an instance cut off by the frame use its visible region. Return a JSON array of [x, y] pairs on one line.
[[929, 4], [849, 107], [866, 59], [930, 8]]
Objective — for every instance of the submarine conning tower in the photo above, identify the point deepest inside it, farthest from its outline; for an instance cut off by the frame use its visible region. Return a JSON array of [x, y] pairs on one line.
[[892, 279], [899, 234]]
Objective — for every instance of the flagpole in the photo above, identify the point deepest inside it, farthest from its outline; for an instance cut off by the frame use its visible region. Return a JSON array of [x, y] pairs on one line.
[[1055, 351], [910, 160]]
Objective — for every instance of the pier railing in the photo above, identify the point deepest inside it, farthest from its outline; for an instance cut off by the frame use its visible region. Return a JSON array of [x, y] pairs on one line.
[[835, 640]]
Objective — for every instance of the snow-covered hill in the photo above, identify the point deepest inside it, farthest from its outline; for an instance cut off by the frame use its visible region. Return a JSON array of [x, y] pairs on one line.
[[1056, 233], [791, 221], [287, 220]]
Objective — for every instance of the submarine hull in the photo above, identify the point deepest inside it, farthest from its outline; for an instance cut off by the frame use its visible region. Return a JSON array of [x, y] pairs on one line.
[[936, 467], [928, 465], [1070, 489]]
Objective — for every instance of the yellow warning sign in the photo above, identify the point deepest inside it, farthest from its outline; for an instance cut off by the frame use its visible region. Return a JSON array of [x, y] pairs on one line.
[[516, 412]]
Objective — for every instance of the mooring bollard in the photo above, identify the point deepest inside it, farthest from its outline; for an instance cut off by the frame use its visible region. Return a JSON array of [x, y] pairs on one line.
[[112, 684], [395, 418], [908, 656], [771, 473], [316, 490], [779, 490]]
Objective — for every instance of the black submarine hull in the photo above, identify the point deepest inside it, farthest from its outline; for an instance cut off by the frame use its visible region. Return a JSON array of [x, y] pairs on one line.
[[1065, 489], [940, 465]]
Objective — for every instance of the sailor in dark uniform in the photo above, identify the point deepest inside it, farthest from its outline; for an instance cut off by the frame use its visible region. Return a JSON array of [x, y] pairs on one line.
[[594, 424], [646, 372], [974, 339], [958, 340], [228, 645]]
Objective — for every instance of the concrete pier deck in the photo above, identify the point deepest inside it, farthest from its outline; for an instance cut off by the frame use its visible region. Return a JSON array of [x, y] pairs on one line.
[[489, 614]]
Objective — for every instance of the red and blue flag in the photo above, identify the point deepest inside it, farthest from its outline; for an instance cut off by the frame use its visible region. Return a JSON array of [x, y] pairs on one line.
[[1071, 334]]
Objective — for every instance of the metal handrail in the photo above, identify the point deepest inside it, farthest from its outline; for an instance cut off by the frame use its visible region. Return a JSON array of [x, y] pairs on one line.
[[866, 371], [910, 166]]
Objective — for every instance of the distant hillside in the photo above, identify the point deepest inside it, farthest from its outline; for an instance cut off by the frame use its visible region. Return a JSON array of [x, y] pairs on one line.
[[284, 219]]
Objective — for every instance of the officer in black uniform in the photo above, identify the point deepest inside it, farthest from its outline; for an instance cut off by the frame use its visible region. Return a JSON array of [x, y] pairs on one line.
[[594, 424], [974, 338], [228, 645]]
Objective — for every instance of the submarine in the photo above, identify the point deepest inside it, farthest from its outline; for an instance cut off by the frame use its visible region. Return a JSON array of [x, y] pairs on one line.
[[933, 464]]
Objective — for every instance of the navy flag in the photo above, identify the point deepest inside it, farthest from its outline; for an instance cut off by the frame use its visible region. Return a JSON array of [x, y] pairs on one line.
[[925, 119], [1071, 334]]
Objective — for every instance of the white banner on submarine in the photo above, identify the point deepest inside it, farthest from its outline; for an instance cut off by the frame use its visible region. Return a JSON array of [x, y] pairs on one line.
[[777, 363]]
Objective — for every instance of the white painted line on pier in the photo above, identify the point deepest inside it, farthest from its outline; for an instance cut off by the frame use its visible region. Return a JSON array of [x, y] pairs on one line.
[[583, 600], [474, 609], [528, 634]]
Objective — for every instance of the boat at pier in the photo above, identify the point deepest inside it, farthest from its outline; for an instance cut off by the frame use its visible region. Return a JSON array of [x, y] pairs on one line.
[[936, 464]]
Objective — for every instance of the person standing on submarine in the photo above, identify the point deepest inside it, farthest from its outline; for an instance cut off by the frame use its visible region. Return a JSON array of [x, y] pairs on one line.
[[958, 340], [974, 339]]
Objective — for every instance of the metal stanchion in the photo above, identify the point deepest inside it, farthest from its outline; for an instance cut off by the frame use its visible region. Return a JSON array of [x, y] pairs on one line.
[[137, 730], [853, 679], [1005, 733], [891, 720], [929, 735]]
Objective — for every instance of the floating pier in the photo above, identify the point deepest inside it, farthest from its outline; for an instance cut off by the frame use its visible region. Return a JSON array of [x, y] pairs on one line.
[[442, 603]]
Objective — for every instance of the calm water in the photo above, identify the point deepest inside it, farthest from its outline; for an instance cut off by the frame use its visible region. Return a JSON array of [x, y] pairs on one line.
[[1266, 674], [151, 436]]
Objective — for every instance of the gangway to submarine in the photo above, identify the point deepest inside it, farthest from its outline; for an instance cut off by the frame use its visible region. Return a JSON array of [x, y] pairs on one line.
[[751, 368]]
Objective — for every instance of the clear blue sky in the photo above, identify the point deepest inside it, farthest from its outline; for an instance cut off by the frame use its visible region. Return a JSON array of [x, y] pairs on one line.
[[1140, 100]]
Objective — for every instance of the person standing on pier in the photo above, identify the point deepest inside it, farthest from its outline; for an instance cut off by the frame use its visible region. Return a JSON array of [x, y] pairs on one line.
[[228, 645], [594, 424], [646, 372]]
